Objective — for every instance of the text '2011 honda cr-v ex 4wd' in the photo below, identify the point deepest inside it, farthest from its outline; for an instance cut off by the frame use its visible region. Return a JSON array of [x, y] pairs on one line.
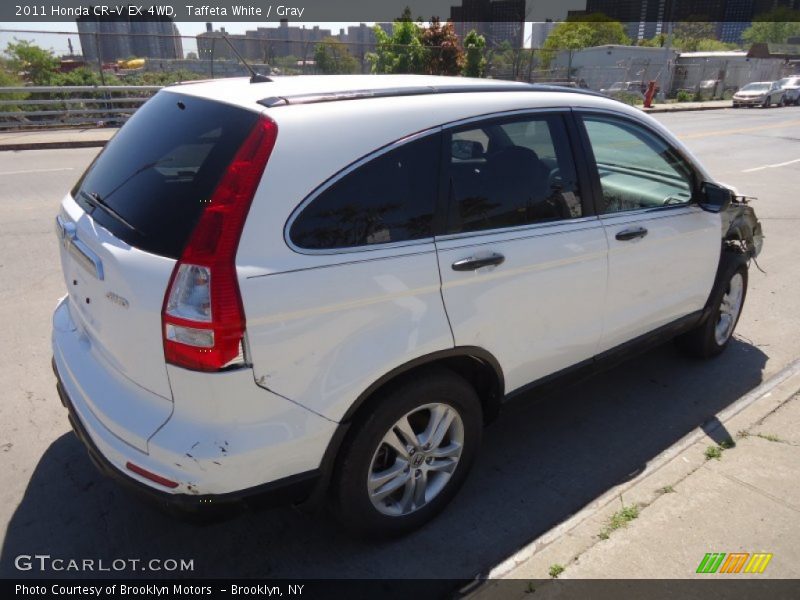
[[323, 287]]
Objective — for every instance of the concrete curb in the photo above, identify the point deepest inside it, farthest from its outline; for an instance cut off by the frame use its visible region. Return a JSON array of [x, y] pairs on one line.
[[746, 411], [665, 109], [53, 145]]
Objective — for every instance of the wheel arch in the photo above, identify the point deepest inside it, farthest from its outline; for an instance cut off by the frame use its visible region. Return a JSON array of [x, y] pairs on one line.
[[477, 365]]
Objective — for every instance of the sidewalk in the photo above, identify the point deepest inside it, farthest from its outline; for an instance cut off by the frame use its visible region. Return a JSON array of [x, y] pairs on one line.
[[700, 496], [57, 138], [682, 106]]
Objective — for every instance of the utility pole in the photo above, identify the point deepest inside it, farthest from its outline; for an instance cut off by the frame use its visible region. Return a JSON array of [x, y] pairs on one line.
[[662, 94]]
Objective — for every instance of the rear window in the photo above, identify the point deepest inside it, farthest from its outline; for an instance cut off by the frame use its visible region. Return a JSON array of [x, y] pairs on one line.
[[161, 168]]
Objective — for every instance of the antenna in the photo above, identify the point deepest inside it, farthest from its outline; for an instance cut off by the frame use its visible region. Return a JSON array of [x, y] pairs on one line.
[[254, 77]]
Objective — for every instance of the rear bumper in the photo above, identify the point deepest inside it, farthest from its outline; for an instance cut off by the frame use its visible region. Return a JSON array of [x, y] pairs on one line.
[[295, 488], [224, 439]]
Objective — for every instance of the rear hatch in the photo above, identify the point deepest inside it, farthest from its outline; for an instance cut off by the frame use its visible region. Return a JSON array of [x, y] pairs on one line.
[[126, 222]]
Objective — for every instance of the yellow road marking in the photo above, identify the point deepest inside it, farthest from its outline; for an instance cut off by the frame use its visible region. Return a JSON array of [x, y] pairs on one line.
[[694, 136]]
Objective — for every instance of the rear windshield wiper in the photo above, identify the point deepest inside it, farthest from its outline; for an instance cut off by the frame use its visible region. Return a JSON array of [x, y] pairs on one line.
[[96, 200]]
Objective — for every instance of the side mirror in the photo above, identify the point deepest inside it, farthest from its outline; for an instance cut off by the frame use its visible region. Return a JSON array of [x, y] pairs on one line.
[[715, 198]]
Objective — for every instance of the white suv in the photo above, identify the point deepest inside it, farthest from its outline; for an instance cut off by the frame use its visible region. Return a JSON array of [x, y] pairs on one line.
[[323, 287]]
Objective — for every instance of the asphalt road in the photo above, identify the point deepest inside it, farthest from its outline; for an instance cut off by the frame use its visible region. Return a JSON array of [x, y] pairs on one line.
[[541, 461]]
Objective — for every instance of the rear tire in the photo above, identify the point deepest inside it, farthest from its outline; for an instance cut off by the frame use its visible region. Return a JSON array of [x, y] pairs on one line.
[[712, 336], [408, 455]]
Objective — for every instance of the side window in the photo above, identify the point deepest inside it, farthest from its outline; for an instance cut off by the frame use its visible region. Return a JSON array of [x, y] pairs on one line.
[[511, 173], [389, 199], [637, 169]]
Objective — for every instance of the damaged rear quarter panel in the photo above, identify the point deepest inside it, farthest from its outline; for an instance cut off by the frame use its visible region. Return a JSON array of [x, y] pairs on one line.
[[227, 434]]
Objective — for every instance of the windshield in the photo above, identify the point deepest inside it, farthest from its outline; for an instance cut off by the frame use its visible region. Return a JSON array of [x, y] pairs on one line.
[[756, 87], [149, 185]]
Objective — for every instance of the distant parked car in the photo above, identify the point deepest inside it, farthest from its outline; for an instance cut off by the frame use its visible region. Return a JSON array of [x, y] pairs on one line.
[[618, 88], [791, 89], [760, 93], [707, 89]]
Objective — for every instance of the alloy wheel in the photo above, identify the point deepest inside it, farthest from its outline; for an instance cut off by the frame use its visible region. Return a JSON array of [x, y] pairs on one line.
[[415, 459]]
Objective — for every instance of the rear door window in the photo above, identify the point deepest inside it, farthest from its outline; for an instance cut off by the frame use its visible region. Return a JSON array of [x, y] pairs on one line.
[[511, 173], [161, 169], [390, 198]]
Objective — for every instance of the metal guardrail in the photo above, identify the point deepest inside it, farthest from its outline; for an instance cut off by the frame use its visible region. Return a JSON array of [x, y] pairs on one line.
[[36, 107]]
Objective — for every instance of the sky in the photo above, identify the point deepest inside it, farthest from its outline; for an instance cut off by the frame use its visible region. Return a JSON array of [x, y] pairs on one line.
[[58, 42]]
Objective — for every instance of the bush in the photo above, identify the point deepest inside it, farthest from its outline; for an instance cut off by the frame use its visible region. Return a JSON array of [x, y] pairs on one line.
[[632, 99], [684, 96]]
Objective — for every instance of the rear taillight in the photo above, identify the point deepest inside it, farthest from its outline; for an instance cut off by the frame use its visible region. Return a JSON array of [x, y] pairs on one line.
[[203, 319]]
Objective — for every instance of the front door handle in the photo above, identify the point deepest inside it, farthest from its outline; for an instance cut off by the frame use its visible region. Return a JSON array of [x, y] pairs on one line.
[[631, 234], [472, 263]]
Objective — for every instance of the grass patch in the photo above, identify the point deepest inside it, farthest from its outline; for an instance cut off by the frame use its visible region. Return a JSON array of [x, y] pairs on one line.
[[667, 489], [741, 434], [619, 519], [715, 452], [556, 570], [770, 437]]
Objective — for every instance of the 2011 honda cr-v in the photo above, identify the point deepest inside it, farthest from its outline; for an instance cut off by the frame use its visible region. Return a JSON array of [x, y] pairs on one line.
[[325, 286]]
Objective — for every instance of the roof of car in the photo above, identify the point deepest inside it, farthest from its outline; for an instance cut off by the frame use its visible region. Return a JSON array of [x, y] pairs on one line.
[[307, 89]]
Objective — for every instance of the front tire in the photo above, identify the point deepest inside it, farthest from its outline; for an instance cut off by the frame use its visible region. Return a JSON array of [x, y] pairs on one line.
[[408, 455], [712, 336]]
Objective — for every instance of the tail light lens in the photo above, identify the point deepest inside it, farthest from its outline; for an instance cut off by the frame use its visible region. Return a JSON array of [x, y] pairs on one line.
[[202, 317]]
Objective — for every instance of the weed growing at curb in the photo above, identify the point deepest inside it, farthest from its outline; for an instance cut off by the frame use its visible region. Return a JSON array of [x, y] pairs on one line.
[[556, 570], [619, 519], [716, 451], [667, 489], [770, 437]]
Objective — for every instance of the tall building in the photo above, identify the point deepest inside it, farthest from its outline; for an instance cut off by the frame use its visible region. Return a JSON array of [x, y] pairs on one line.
[[540, 31], [111, 39], [499, 21], [263, 44]]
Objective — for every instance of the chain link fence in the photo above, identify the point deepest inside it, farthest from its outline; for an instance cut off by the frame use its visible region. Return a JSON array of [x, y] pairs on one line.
[[99, 81]]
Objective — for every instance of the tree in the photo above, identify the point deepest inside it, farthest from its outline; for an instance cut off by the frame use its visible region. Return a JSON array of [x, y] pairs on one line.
[[443, 55], [401, 52], [332, 56], [583, 32], [191, 56], [773, 27], [474, 63], [586, 31], [32, 62]]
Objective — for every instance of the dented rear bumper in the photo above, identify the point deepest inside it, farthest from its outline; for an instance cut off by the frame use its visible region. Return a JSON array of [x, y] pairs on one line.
[[223, 440]]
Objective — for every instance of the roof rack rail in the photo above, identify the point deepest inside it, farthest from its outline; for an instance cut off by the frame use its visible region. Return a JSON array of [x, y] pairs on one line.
[[316, 98]]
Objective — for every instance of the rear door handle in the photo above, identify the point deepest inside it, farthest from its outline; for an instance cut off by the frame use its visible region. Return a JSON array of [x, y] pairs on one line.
[[472, 263], [631, 234]]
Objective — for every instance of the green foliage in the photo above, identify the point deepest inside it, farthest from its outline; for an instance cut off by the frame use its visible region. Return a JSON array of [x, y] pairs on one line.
[[401, 52], [556, 570], [775, 27], [332, 56], [688, 44], [157, 77], [684, 96], [35, 64], [628, 98], [84, 76], [506, 61], [584, 32], [10, 79], [443, 56], [475, 62]]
